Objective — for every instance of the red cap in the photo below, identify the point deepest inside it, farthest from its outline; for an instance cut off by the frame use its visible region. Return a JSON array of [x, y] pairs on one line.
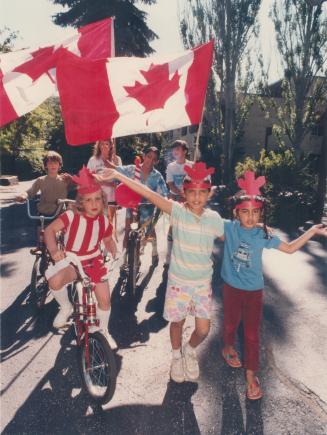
[[251, 187], [198, 176], [85, 181]]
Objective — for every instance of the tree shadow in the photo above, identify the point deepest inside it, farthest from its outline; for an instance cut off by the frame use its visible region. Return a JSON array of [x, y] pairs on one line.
[[124, 325], [20, 323], [62, 407], [17, 230]]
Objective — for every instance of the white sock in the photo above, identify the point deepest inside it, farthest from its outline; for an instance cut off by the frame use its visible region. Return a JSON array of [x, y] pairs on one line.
[[176, 353], [188, 348], [61, 296], [103, 316]]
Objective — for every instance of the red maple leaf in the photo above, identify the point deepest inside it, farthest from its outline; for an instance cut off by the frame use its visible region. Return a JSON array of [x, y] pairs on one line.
[[42, 60], [158, 89]]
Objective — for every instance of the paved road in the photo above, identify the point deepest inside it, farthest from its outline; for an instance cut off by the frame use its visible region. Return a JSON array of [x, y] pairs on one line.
[[40, 383]]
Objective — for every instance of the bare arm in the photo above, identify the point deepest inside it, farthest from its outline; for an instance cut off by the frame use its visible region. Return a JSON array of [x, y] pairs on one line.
[[159, 201], [110, 246], [50, 239], [296, 244]]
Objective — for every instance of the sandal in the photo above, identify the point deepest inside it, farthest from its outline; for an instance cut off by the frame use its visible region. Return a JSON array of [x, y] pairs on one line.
[[254, 391], [232, 360]]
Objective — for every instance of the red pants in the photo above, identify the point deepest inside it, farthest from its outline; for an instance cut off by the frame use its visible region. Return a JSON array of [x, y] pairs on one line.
[[246, 306]]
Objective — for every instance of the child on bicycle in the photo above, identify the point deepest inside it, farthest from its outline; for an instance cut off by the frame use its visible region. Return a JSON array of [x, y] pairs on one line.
[[241, 271], [189, 291], [84, 229], [52, 186], [152, 178]]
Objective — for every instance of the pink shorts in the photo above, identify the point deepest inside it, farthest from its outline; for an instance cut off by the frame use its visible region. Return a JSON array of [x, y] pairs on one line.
[[184, 300], [94, 268]]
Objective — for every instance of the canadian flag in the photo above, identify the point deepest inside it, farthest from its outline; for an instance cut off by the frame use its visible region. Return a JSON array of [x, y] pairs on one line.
[[28, 77], [129, 95]]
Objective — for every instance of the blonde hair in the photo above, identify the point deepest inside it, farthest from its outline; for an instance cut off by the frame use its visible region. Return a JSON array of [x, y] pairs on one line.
[[80, 207], [112, 157]]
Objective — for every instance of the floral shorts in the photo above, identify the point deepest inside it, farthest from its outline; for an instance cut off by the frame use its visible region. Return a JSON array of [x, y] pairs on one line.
[[185, 300]]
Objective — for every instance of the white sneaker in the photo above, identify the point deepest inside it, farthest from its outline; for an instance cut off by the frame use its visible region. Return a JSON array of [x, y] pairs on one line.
[[177, 370], [110, 339], [62, 317], [191, 365]]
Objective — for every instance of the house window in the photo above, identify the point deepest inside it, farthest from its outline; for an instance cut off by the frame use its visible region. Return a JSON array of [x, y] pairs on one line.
[[184, 131], [317, 130]]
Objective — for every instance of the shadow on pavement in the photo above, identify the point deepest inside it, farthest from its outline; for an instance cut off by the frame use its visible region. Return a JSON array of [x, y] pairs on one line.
[[17, 230], [59, 406], [124, 325], [20, 323]]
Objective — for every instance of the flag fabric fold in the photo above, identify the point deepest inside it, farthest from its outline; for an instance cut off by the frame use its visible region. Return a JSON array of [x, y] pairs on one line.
[[28, 77], [128, 95]]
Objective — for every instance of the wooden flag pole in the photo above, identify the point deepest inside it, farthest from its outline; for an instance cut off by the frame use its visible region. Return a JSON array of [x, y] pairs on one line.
[[197, 141]]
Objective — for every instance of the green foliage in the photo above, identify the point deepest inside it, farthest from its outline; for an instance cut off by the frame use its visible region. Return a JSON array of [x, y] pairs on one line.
[[7, 39], [301, 33], [290, 188], [232, 23], [132, 35]]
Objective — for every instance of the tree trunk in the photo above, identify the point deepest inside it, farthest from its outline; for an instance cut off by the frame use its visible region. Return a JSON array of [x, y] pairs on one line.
[[322, 176]]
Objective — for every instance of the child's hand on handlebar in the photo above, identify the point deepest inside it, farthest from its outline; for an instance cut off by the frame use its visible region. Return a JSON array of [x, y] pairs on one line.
[[20, 198], [57, 255]]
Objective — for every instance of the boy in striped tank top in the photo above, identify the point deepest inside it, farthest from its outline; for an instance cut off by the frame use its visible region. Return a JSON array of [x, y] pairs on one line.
[[84, 230], [189, 291]]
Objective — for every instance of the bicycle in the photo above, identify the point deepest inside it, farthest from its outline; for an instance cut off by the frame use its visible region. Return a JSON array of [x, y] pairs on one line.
[[95, 357], [138, 235], [39, 287]]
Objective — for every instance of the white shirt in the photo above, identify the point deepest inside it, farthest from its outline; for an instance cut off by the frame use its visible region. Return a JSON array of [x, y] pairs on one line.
[[97, 165]]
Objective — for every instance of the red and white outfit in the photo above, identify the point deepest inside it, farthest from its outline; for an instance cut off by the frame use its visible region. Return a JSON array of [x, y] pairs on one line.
[[82, 236]]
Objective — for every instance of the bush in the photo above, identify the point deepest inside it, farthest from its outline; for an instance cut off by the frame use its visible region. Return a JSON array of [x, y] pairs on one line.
[[291, 186]]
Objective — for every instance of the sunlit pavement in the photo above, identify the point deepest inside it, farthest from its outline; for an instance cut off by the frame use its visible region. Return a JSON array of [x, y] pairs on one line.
[[40, 381]]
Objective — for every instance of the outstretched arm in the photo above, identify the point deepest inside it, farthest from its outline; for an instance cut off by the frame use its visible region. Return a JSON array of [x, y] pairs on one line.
[[159, 201], [315, 230]]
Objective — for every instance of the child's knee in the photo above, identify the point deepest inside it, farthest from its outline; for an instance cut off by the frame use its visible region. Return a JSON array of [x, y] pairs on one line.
[[56, 282], [202, 330]]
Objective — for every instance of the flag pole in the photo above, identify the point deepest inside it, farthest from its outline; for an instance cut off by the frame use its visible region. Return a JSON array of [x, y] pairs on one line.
[[197, 141]]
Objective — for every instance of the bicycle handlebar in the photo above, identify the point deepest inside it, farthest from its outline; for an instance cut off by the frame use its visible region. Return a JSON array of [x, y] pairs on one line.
[[40, 217]]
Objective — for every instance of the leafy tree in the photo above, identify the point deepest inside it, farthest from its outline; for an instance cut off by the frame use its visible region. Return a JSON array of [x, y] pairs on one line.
[[132, 35], [7, 39], [232, 23], [301, 33], [24, 141]]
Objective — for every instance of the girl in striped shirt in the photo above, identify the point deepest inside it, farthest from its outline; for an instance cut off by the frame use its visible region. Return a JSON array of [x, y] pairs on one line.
[[84, 230]]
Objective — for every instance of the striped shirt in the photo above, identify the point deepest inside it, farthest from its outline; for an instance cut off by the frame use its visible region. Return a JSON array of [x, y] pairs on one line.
[[193, 236], [83, 234]]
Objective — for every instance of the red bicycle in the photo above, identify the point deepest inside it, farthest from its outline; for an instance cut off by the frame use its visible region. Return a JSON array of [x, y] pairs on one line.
[[95, 357]]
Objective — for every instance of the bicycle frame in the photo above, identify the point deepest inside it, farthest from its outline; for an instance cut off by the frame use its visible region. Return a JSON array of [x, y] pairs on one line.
[[84, 314]]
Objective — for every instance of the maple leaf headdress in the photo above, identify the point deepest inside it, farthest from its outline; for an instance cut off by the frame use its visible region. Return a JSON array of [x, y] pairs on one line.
[[197, 176], [251, 187], [85, 181]]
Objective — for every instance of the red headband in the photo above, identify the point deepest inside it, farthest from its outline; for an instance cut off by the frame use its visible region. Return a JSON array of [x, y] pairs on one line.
[[198, 175], [86, 182], [251, 186]]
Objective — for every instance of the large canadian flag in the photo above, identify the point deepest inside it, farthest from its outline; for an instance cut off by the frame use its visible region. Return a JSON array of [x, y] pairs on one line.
[[129, 95], [28, 77]]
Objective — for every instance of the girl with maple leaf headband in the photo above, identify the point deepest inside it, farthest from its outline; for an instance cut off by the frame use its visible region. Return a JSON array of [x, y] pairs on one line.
[[194, 229], [84, 230], [242, 274]]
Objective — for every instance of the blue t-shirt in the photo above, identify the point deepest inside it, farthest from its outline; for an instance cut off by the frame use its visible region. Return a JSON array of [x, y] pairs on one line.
[[242, 262], [155, 182]]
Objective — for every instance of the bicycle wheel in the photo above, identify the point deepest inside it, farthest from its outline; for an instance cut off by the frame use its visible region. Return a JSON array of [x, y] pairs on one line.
[[133, 259], [39, 286], [99, 379]]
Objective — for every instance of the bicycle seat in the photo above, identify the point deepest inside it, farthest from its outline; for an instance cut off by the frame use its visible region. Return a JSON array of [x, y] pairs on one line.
[[126, 197]]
